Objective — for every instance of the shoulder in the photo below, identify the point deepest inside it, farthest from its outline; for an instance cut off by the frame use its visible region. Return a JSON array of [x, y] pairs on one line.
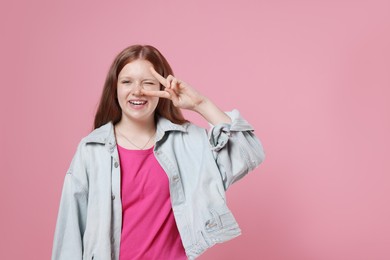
[[186, 128], [194, 129], [93, 144], [101, 134], [194, 135], [96, 139], [181, 132]]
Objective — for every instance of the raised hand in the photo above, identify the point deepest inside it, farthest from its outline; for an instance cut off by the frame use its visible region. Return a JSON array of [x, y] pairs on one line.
[[182, 94]]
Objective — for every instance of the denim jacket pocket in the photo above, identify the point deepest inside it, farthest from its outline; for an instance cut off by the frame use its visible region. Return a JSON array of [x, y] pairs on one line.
[[221, 227], [220, 221]]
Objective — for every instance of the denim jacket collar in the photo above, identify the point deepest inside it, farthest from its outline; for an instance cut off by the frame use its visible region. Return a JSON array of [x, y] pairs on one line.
[[105, 134]]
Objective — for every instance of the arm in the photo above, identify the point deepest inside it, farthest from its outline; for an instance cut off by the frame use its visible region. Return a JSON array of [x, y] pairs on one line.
[[235, 147], [71, 220]]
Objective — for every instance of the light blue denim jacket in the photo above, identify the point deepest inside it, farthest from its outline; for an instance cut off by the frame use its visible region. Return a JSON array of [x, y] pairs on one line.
[[200, 166]]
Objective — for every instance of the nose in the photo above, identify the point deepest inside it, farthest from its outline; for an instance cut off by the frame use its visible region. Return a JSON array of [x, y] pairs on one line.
[[137, 85], [137, 89]]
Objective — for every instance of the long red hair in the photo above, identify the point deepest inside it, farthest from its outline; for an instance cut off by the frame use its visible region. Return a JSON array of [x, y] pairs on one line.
[[109, 109]]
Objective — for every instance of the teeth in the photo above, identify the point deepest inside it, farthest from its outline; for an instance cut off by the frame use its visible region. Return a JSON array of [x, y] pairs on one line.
[[138, 102]]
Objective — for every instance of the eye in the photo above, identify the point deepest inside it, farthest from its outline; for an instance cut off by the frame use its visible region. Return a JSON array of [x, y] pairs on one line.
[[125, 81], [149, 83]]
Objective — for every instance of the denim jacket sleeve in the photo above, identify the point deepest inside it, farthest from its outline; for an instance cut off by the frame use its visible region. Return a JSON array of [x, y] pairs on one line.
[[236, 149], [71, 220]]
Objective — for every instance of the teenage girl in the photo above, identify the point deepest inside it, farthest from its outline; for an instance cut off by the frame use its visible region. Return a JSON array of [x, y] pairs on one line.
[[146, 183]]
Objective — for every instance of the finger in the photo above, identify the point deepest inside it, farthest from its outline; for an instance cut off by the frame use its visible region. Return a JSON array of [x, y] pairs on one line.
[[179, 85], [160, 78], [156, 93], [174, 97], [174, 83], [170, 79]]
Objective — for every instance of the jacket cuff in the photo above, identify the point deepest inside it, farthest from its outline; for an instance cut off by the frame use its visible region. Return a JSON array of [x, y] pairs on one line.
[[238, 122], [219, 134]]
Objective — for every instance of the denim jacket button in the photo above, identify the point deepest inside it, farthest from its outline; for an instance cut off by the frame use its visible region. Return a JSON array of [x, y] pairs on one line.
[[116, 164], [175, 178], [112, 196], [210, 224]]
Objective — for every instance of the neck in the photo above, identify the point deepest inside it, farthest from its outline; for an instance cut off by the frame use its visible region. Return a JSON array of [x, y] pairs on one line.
[[133, 134], [133, 127]]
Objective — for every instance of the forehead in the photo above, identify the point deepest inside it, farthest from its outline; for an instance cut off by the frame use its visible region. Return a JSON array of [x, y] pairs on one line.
[[137, 68]]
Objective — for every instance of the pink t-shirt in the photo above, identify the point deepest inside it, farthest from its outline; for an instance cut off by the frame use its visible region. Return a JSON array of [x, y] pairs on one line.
[[149, 229]]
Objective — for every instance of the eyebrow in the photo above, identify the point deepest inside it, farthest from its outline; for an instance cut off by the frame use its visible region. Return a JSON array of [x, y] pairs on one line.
[[128, 77], [124, 77]]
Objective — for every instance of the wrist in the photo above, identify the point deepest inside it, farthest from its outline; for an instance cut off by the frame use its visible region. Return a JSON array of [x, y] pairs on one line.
[[209, 111], [201, 105]]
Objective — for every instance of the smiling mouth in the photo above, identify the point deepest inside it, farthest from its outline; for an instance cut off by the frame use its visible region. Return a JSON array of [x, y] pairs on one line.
[[138, 102]]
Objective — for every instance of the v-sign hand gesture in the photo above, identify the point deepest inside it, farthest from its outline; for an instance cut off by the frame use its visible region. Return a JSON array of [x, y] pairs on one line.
[[182, 95]]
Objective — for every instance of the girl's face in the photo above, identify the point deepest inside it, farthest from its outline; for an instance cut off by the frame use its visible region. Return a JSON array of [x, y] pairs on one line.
[[135, 76]]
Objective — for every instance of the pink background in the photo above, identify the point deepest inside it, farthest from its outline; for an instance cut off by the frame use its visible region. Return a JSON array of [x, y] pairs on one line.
[[313, 77]]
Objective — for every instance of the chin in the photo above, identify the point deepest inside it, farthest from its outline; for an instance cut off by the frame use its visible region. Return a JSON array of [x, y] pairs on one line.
[[140, 117]]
